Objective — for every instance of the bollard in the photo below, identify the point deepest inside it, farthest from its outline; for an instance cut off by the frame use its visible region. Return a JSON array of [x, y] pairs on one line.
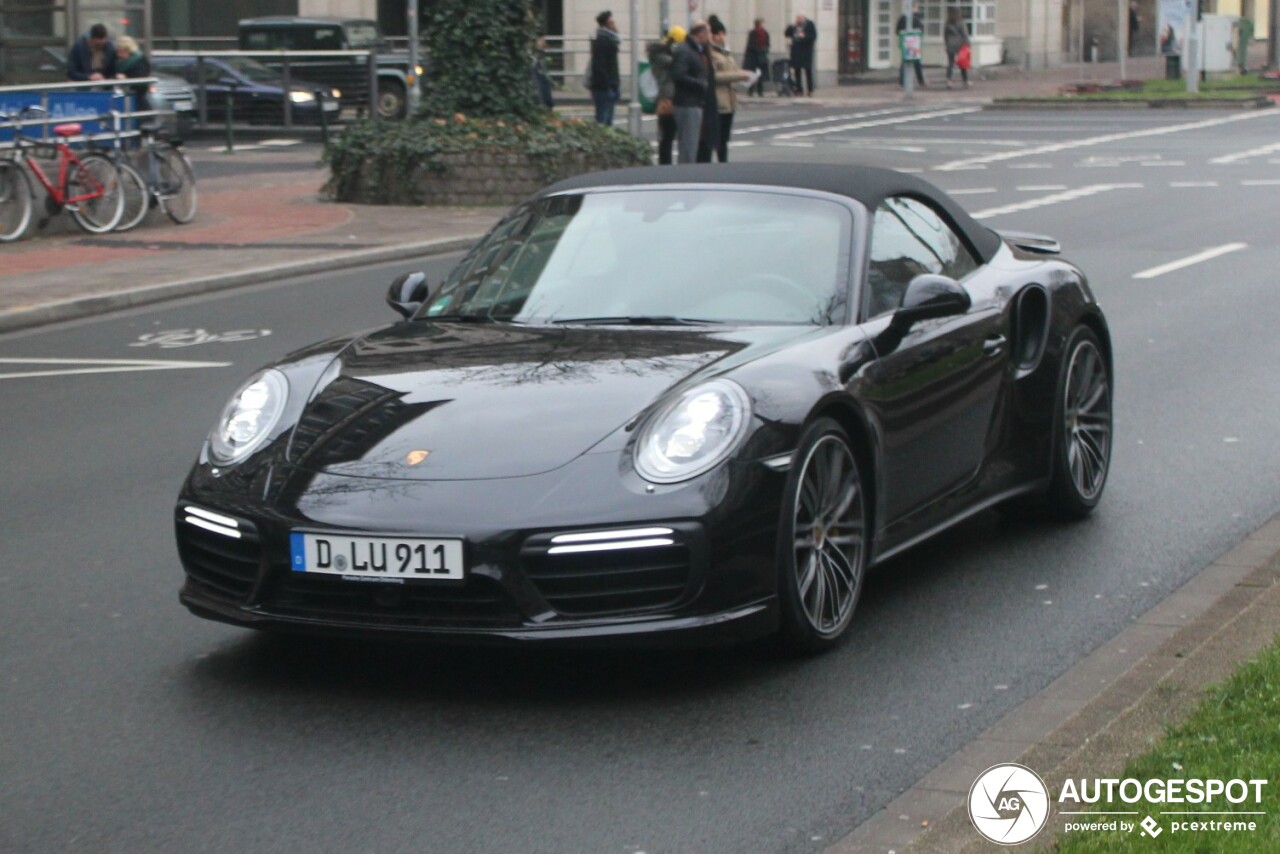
[[231, 116], [324, 120]]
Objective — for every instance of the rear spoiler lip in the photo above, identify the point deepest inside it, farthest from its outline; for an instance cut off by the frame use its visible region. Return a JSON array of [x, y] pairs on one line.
[[1028, 241]]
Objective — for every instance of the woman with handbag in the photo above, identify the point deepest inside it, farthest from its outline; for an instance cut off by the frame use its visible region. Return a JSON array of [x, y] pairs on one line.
[[661, 55], [956, 38]]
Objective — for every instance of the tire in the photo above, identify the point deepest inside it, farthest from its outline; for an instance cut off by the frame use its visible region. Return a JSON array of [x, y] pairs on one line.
[[137, 198], [1082, 428], [98, 215], [822, 540], [15, 201], [391, 101], [177, 189]]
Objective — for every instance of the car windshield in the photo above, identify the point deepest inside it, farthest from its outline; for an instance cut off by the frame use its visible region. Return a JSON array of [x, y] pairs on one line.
[[362, 36], [251, 69], [658, 256]]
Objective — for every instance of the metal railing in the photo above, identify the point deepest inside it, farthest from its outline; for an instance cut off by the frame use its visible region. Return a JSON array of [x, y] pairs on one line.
[[55, 116]]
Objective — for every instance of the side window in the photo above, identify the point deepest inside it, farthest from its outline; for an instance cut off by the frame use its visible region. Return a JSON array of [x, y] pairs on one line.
[[908, 238], [327, 38]]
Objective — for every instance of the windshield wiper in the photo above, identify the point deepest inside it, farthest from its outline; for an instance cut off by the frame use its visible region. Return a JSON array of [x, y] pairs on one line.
[[636, 320]]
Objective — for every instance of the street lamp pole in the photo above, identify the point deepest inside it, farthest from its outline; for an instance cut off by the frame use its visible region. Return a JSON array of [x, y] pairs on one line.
[[414, 88], [633, 111]]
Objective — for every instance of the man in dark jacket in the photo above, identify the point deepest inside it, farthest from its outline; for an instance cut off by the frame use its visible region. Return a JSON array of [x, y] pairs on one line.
[[803, 34], [606, 82], [695, 94], [93, 56]]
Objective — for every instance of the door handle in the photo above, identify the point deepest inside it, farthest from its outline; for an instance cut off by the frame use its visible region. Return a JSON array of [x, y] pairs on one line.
[[994, 345]]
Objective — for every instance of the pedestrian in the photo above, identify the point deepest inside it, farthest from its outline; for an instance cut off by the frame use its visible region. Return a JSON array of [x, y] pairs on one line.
[[1135, 24], [93, 56], [661, 57], [728, 76], [756, 57], [606, 82], [694, 80], [803, 34], [132, 64], [955, 37], [917, 24], [538, 75]]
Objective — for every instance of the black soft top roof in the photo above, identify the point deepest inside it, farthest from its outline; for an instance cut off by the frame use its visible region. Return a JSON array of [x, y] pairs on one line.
[[866, 184]]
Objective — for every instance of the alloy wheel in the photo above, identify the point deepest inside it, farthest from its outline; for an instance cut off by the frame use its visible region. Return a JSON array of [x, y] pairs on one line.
[[830, 535], [1087, 426]]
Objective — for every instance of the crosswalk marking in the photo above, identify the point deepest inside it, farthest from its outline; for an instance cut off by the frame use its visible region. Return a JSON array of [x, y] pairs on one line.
[[1053, 199], [1198, 258], [98, 366]]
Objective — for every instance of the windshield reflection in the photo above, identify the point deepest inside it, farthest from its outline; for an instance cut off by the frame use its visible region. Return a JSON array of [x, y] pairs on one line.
[[658, 257]]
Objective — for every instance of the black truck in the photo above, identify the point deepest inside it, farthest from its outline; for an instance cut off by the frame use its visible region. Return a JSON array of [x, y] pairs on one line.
[[314, 36]]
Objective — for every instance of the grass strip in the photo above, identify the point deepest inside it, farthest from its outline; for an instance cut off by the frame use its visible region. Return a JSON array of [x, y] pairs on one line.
[[1233, 734]]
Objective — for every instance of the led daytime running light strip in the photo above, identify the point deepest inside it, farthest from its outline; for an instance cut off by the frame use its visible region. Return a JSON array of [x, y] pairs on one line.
[[606, 541], [215, 522]]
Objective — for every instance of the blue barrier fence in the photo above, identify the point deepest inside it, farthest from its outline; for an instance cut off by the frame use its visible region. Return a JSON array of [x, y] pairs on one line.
[[89, 107]]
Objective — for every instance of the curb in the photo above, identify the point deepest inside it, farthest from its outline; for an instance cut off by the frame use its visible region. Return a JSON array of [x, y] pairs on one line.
[[74, 309], [1059, 103], [1112, 704]]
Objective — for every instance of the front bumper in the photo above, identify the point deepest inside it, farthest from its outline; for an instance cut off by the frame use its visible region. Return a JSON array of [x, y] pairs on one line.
[[714, 583]]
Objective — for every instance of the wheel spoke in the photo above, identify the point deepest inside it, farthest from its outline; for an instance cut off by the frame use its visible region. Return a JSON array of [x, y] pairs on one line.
[[810, 572]]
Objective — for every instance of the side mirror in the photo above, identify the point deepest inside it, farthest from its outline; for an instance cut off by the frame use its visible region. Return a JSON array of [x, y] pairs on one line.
[[930, 296], [408, 292]]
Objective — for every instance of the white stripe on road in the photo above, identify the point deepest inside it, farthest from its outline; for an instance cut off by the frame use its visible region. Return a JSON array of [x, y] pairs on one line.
[[1244, 155], [1206, 255], [1261, 182], [101, 366], [1030, 165], [1056, 198], [972, 191], [1193, 184], [1164, 163], [893, 120], [1041, 188], [1098, 140], [810, 122]]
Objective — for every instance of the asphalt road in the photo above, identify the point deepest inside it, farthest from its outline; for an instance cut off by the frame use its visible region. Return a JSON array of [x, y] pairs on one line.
[[128, 725]]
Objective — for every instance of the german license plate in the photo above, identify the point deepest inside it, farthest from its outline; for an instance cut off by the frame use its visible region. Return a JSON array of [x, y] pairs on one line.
[[387, 558]]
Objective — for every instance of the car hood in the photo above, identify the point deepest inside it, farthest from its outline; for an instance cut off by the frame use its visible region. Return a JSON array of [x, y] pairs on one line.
[[450, 401]]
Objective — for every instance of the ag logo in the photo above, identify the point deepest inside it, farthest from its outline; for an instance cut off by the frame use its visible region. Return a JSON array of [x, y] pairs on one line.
[[1008, 804]]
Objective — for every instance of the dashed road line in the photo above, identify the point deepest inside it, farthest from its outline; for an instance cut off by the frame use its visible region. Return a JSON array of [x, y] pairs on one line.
[[1053, 199], [1098, 140], [973, 191], [1186, 184], [1198, 258], [822, 120], [1041, 188], [1261, 182], [1245, 155]]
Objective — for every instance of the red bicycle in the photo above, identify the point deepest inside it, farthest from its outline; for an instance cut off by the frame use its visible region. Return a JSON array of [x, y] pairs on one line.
[[88, 185]]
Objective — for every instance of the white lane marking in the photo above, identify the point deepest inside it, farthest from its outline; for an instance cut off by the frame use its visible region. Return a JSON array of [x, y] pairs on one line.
[[792, 144], [1164, 163], [972, 191], [810, 122], [1041, 188], [910, 170], [1030, 165], [279, 143], [101, 366], [1100, 140], [1055, 198], [746, 143], [892, 120], [1245, 155], [1185, 184], [1261, 182], [969, 169], [1199, 257]]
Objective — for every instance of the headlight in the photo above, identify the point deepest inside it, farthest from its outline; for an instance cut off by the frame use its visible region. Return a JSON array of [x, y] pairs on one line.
[[337, 93], [693, 433], [248, 418], [301, 97]]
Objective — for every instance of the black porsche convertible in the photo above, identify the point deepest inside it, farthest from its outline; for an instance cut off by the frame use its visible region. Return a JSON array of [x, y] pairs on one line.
[[682, 405]]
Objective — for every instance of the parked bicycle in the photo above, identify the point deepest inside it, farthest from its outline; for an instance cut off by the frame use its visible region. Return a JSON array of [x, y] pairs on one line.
[[157, 175], [88, 185]]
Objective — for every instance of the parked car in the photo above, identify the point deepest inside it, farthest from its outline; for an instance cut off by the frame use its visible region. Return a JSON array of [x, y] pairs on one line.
[[315, 35], [677, 405], [258, 92]]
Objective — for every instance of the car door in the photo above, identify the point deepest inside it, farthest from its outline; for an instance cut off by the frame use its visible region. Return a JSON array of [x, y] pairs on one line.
[[932, 390]]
